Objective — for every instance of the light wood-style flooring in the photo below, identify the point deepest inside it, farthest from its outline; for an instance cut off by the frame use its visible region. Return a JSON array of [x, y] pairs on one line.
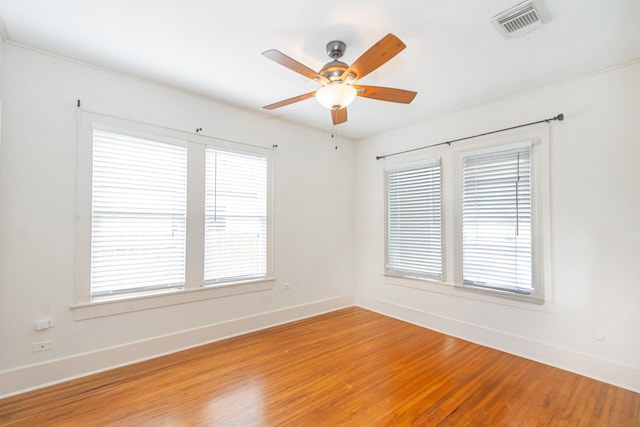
[[351, 367]]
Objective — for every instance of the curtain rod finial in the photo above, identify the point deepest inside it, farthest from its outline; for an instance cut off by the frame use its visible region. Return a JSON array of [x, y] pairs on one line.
[[560, 117]]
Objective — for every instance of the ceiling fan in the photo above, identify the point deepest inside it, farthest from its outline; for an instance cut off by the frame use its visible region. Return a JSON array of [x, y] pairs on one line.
[[337, 78]]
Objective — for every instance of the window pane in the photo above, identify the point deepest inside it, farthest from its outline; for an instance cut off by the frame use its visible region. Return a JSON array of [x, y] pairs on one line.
[[414, 228], [496, 220], [138, 215], [235, 217]]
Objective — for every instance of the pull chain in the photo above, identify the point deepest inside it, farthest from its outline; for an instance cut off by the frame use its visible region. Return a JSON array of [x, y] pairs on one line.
[[334, 135]]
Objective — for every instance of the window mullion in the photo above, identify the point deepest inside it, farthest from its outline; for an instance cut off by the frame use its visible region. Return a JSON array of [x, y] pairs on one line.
[[195, 215]]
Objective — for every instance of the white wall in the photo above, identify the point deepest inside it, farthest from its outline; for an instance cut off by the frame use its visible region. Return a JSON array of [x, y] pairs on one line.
[[313, 215], [595, 230]]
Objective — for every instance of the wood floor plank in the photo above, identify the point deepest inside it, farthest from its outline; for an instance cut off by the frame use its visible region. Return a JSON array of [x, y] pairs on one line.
[[351, 367]]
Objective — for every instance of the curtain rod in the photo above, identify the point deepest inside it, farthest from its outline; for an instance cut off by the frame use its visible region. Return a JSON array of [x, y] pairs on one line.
[[559, 117]]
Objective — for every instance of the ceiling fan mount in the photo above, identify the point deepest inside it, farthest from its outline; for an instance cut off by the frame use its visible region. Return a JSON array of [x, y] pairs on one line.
[[336, 48], [338, 78]]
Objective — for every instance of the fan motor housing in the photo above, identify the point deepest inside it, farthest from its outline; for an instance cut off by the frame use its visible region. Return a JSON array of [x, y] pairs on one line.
[[333, 70]]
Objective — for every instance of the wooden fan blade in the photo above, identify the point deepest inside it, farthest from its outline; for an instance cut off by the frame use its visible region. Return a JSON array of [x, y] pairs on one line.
[[289, 101], [339, 116], [388, 47], [293, 65], [386, 94]]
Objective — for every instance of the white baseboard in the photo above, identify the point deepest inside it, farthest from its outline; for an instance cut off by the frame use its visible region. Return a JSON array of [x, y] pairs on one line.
[[30, 377], [602, 370]]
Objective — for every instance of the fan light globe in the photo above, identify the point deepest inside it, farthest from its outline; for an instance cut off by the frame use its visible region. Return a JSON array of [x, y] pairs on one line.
[[336, 96]]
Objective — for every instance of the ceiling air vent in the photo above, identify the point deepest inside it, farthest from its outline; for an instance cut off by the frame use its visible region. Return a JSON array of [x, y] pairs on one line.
[[520, 19]]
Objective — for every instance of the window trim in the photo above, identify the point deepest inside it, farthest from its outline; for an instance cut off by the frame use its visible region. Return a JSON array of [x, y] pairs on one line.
[[195, 288]]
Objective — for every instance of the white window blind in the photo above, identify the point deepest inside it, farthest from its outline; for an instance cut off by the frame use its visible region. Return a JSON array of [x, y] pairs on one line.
[[496, 220], [138, 215], [235, 217], [414, 221]]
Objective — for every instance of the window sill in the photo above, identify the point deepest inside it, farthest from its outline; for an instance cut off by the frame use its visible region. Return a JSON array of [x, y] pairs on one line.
[[469, 292], [90, 310]]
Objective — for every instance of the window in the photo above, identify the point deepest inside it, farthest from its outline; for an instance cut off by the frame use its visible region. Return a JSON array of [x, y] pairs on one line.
[[496, 220], [138, 215], [414, 221], [236, 217], [473, 223], [167, 217]]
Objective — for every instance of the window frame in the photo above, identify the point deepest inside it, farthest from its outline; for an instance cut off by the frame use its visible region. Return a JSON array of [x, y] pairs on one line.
[[195, 288], [105, 209], [426, 163], [221, 280], [451, 163], [537, 292]]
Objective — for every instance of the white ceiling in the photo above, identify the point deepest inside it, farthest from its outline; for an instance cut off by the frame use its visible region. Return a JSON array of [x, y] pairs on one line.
[[454, 57]]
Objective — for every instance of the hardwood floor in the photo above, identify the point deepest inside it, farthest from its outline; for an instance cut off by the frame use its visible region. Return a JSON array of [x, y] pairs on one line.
[[350, 367]]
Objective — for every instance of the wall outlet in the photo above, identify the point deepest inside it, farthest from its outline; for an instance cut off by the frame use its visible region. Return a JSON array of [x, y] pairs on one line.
[[286, 286], [600, 335], [41, 346]]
